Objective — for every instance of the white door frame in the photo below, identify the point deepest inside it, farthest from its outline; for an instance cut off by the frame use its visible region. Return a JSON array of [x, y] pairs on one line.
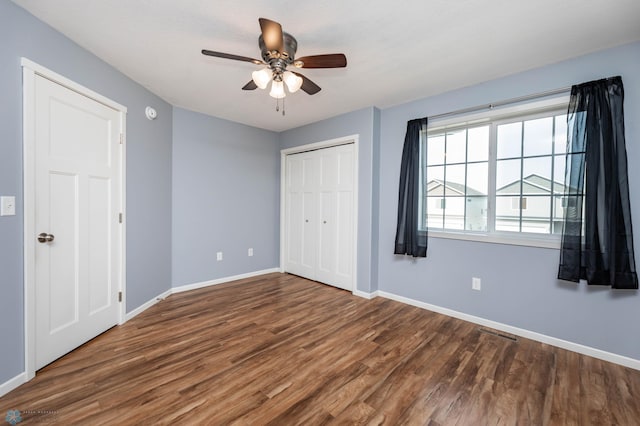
[[29, 71], [311, 147]]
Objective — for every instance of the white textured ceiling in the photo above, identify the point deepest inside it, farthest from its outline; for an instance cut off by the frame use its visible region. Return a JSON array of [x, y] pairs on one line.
[[397, 51]]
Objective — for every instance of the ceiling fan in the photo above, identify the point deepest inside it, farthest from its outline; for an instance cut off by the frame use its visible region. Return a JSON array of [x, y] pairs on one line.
[[278, 50]]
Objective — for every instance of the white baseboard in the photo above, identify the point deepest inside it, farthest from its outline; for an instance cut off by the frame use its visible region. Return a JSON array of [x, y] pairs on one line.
[[11, 384], [564, 344], [180, 289], [202, 284], [364, 294], [147, 305]]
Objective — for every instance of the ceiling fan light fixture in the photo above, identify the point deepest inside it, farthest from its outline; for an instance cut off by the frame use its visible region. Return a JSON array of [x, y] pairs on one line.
[[293, 82], [262, 77], [277, 90]]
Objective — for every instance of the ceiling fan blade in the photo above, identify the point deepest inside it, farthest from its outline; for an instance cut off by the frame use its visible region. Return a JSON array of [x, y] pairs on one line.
[[271, 34], [307, 85], [251, 85], [332, 60], [230, 56]]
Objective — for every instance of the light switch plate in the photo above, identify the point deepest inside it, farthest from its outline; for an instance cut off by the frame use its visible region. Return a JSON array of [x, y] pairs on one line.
[[7, 206]]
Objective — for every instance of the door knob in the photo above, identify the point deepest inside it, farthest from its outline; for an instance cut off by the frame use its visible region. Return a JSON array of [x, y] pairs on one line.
[[45, 238]]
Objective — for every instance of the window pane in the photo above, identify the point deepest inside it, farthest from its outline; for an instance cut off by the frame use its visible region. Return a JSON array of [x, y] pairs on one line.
[[476, 214], [536, 174], [435, 214], [535, 218], [558, 174], [508, 177], [507, 218], [478, 179], [435, 149], [478, 145], [561, 134], [509, 140], [455, 180], [559, 203], [538, 137], [454, 212], [456, 146], [435, 181]]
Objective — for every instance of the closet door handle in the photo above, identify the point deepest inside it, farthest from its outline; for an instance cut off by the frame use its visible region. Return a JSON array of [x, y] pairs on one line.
[[45, 238]]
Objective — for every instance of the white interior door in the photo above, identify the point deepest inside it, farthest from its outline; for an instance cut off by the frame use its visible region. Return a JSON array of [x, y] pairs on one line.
[[319, 222], [77, 205]]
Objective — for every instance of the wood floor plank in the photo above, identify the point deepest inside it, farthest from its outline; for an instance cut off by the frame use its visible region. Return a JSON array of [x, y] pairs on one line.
[[278, 349]]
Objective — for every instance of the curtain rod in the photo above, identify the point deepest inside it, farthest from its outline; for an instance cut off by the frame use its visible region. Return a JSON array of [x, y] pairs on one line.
[[501, 103]]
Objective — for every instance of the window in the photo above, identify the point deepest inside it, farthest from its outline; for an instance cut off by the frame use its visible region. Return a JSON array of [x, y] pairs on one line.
[[500, 174]]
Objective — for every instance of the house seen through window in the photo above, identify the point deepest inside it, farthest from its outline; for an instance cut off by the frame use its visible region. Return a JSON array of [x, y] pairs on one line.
[[500, 175]]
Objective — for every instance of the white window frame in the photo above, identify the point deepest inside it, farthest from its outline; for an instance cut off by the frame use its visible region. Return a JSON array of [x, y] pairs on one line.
[[556, 105]]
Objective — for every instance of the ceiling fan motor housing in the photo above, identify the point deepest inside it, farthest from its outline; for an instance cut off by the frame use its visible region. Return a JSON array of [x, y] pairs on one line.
[[278, 61]]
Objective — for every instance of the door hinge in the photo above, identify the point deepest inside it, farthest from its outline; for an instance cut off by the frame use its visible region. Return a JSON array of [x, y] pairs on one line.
[[119, 296], [120, 217], [121, 138]]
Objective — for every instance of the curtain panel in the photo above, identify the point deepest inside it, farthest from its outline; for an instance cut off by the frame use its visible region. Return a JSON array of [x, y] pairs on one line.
[[597, 240], [410, 239]]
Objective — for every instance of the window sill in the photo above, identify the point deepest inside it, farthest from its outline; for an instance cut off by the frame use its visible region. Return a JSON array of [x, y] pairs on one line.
[[528, 240]]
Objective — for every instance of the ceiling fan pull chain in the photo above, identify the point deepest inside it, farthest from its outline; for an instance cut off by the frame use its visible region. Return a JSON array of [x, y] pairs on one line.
[[283, 107]]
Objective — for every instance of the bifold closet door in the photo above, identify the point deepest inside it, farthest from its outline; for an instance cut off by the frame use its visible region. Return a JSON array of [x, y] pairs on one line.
[[320, 215], [300, 214]]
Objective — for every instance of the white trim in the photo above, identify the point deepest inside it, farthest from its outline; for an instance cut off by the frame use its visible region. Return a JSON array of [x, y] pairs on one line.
[[123, 225], [499, 113], [356, 203], [531, 240], [29, 71], [11, 384], [194, 286], [147, 305], [69, 84], [564, 344], [217, 281], [28, 147], [355, 140], [365, 295], [320, 145]]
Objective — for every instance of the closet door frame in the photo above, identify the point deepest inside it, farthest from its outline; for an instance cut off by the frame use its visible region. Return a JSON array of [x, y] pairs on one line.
[[352, 139]]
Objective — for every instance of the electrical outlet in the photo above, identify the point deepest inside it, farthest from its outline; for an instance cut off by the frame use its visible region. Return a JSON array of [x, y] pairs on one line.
[[219, 255], [475, 283], [250, 252]]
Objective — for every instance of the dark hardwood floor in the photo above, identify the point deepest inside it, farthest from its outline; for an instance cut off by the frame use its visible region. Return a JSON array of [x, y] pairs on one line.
[[281, 350]]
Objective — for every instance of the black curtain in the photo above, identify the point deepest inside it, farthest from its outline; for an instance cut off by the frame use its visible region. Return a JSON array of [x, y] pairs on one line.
[[597, 241], [409, 238]]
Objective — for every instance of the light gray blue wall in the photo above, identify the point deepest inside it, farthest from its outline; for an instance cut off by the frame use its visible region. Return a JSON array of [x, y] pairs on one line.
[[359, 122], [519, 285], [226, 192], [148, 169]]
